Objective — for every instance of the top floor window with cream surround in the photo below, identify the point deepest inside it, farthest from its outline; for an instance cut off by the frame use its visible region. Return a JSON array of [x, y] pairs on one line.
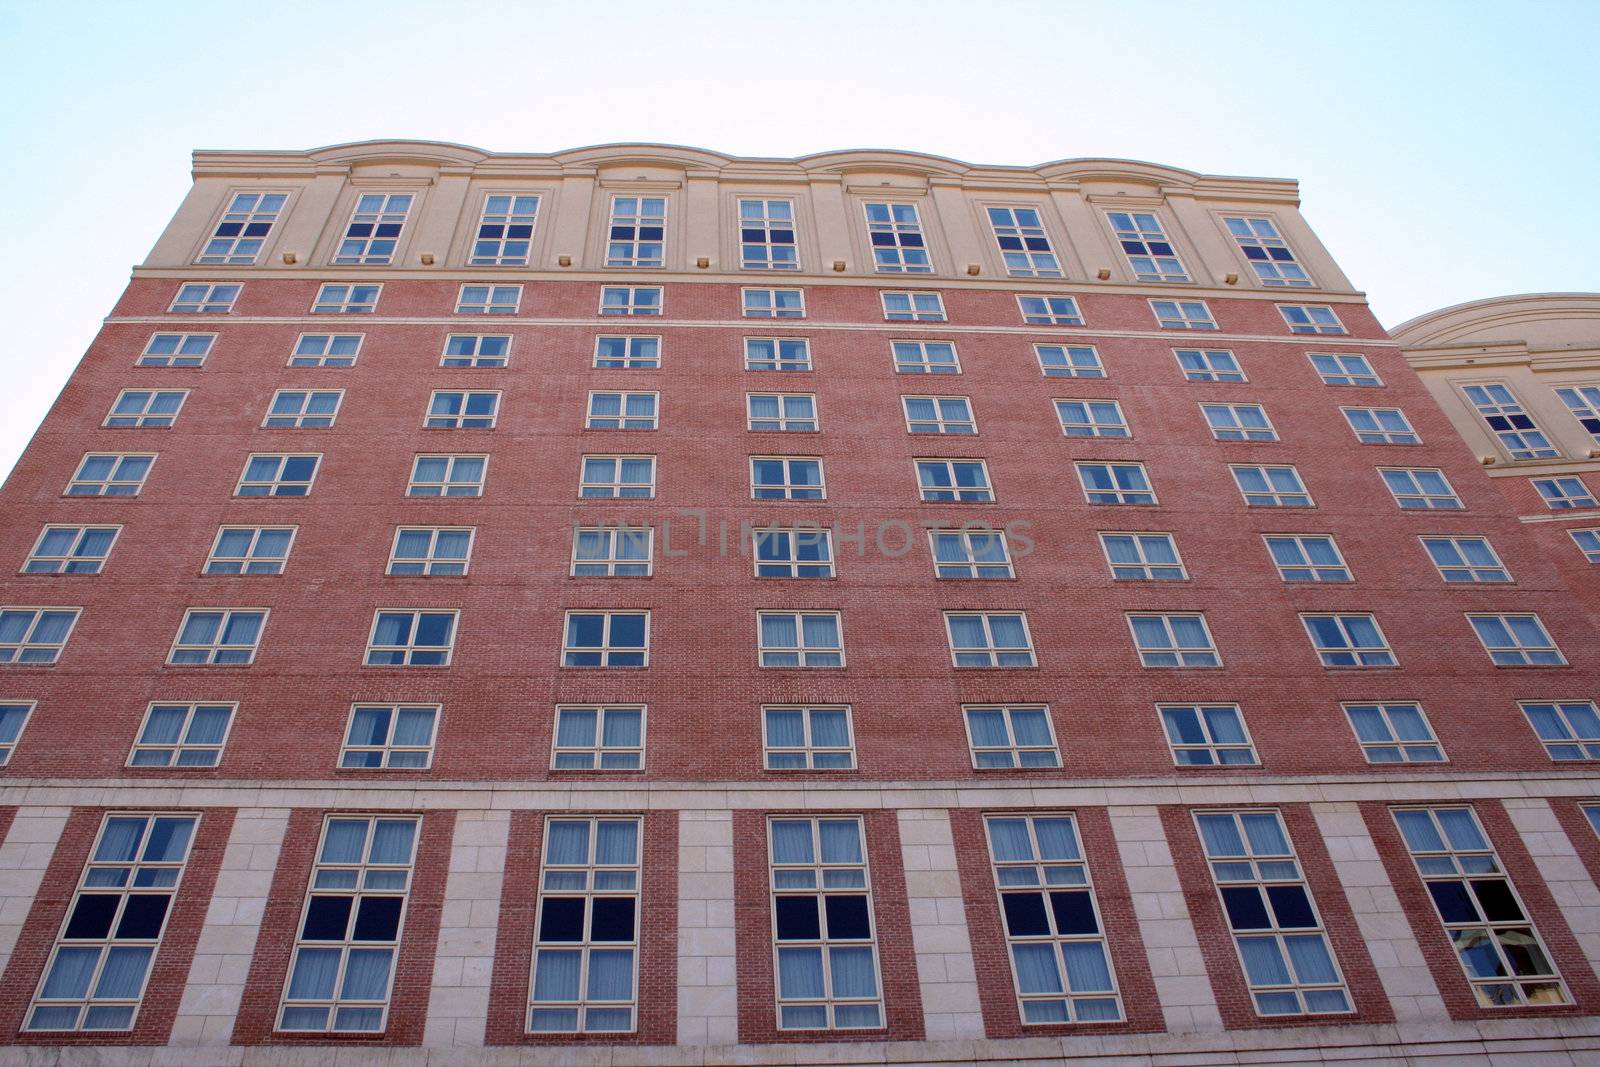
[[637, 236], [767, 235], [898, 243], [374, 229], [504, 237], [243, 228]]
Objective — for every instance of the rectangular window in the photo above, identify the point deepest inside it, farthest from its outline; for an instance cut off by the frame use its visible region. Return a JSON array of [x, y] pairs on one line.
[[475, 350], [111, 474], [630, 300], [1509, 421], [277, 475], [1069, 361], [1004, 738], [431, 550], [964, 480], [808, 739], [505, 230], [1143, 557], [1517, 641], [1307, 558], [304, 408], [182, 735], [1588, 542], [1500, 950], [1180, 640], [1060, 965], [1239, 422], [1281, 941], [374, 229], [1207, 735], [101, 960], [344, 957], [631, 477], [1311, 318], [242, 231], [586, 932], [989, 639], [1271, 487], [1183, 315], [411, 639], [218, 637], [598, 738], [782, 411], [326, 350], [1419, 488], [913, 307], [1024, 244], [488, 299], [71, 550], [1091, 418], [1344, 370], [1144, 241], [607, 639], [799, 552], [250, 550], [146, 407], [773, 303], [1465, 559], [939, 414], [34, 635], [390, 737], [1562, 493], [1049, 310], [785, 478], [459, 410], [767, 235], [612, 551], [1115, 483], [13, 718], [447, 476], [638, 233], [621, 411], [176, 350], [1381, 426], [826, 952], [199, 298], [970, 553], [1268, 253], [895, 233], [1584, 403], [346, 300], [777, 353], [1394, 733], [1209, 365], [634, 353], [925, 357], [1570, 729], [800, 639], [1348, 640]]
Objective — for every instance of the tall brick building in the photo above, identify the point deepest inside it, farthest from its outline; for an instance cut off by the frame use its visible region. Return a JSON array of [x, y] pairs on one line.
[[856, 608]]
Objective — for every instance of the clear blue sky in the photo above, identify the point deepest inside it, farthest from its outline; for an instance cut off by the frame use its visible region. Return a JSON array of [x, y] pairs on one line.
[[1446, 150]]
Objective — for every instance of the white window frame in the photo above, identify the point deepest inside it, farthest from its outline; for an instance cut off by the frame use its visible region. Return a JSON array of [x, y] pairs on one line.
[[1405, 749], [922, 364], [1054, 312], [177, 357], [63, 563], [753, 360], [952, 491], [1404, 434], [1353, 369], [177, 749], [476, 358], [389, 748], [941, 423], [604, 649], [276, 482], [801, 650], [792, 563], [347, 298], [912, 305], [1116, 490], [1279, 497], [18, 653], [772, 310], [1314, 323], [630, 359], [1073, 365], [491, 304], [1313, 569], [897, 257], [432, 565], [1148, 265], [1015, 754], [600, 750], [991, 650], [809, 749], [789, 489], [14, 718], [102, 485], [766, 221], [326, 358], [409, 650], [1153, 656], [631, 306], [1091, 408], [969, 561], [1556, 492], [1182, 315], [248, 210], [614, 483], [249, 558], [205, 298], [1208, 371], [464, 419], [1564, 739], [1022, 225], [303, 419], [1238, 430], [1143, 564], [141, 416], [1210, 751], [1519, 653], [784, 419], [1588, 542], [450, 458], [217, 647], [1262, 233], [623, 418], [1348, 655], [377, 211], [637, 251], [611, 561], [1521, 437], [1474, 573], [499, 250], [1425, 501]]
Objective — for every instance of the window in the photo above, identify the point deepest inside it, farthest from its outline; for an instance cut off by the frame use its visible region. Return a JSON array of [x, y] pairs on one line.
[[277, 475], [146, 407], [458, 410], [326, 350], [1505, 961], [627, 352], [1517, 641], [1394, 733], [808, 739], [1416, 488], [1115, 483], [1271, 487], [505, 230], [374, 229], [71, 550], [1465, 559], [390, 737], [182, 735], [1381, 426], [800, 639], [1183, 315], [1024, 244], [618, 476], [1209, 365], [939, 414], [766, 235], [630, 300], [965, 480], [431, 550], [1239, 422], [607, 639], [1307, 558], [1280, 939], [1144, 557], [970, 553], [1569, 729], [913, 307], [243, 228], [604, 738], [488, 299], [199, 298], [638, 233], [777, 353], [304, 409], [1311, 318], [250, 550], [1588, 542], [343, 960], [176, 349], [1173, 640], [219, 637], [782, 411], [475, 350], [447, 476], [1207, 735], [100, 961], [1562, 493], [13, 718], [1056, 940], [1344, 370], [1584, 403], [34, 635], [925, 357], [989, 639], [1069, 361], [1150, 253], [774, 303], [1268, 253], [346, 300], [1351, 640], [782, 478], [612, 551], [1049, 310], [111, 474], [895, 233], [586, 933], [411, 639], [1091, 418], [1006, 738], [1509, 421], [800, 552], [621, 411], [827, 957]]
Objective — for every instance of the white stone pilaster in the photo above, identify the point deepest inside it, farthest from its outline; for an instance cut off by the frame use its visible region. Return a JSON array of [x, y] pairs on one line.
[[939, 935], [708, 992], [458, 1001], [26, 853], [1563, 872]]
